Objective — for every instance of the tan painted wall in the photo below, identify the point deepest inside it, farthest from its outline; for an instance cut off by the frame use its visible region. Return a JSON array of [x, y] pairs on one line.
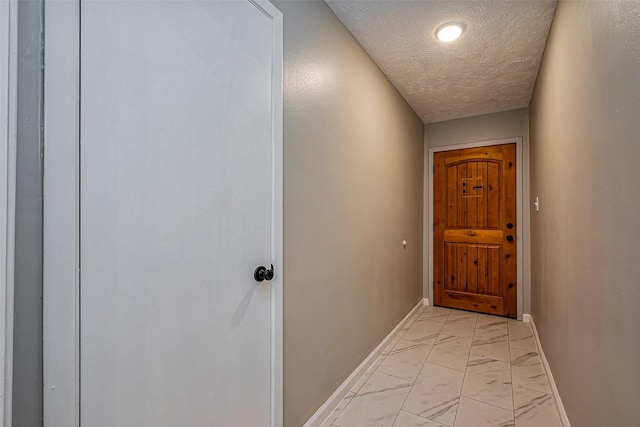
[[585, 167], [486, 127], [353, 191]]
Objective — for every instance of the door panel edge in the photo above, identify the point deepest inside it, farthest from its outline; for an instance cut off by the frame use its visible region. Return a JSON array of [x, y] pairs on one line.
[[277, 285], [61, 220]]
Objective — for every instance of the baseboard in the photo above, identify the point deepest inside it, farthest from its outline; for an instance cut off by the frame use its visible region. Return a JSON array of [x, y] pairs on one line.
[[334, 400], [526, 318], [425, 301], [554, 389]]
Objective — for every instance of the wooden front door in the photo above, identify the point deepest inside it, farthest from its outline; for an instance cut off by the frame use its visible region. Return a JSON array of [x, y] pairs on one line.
[[475, 229]]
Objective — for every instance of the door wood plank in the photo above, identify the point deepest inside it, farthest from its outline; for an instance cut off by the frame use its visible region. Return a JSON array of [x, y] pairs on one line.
[[483, 271], [493, 195], [472, 268], [482, 201], [462, 267], [461, 191], [494, 270], [451, 278], [485, 303], [452, 196], [472, 199], [474, 236]]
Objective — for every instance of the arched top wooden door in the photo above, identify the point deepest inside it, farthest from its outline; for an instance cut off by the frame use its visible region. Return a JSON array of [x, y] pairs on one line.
[[475, 229]]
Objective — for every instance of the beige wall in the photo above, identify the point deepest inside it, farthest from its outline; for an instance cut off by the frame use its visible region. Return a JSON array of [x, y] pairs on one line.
[[585, 167], [487, 127], [353, 191]]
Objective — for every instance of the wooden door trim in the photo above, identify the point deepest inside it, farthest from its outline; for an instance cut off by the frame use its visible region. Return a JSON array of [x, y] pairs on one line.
[[520, 244], [61, 228]]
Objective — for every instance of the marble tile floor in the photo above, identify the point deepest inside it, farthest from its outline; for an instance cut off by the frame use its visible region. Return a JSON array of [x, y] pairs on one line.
[[453, 368]]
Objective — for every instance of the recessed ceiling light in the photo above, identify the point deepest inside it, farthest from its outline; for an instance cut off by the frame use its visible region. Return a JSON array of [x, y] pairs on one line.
[[449, 32]]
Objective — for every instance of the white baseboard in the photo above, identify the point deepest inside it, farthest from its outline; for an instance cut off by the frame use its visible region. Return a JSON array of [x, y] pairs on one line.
[[526, 318], [425, 301], [554, 389], [334, 400]]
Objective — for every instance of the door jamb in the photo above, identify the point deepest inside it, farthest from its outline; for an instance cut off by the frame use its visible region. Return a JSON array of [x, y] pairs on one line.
[[519, 211], [61, 290], [8, 141]]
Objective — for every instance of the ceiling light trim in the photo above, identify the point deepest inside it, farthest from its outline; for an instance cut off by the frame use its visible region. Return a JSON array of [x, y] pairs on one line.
[[450, 31]]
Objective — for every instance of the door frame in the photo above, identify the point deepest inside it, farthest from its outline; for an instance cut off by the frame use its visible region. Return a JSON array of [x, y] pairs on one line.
[[521, 235], [61, 228], [8, 141]]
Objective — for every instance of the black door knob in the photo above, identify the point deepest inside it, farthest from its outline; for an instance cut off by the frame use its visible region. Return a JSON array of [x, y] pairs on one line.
[[509, 226], [263, 273], [510, 238], [268, 275]]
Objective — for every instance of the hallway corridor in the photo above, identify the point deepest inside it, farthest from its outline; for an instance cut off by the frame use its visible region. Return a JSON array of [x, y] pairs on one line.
[[453, 368]]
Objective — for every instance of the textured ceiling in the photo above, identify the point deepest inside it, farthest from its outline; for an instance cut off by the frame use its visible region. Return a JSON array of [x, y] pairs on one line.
[[491, 68]]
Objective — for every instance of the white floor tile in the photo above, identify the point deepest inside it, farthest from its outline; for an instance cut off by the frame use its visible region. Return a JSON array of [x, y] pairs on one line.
[[406, 419], [406, 360], [489, 381], [435, 394], [527, 370], [494, 350], [522, 337], [534, 409], [451, 352], [338, 410], [478, 414], [376, 404], [423, 331]]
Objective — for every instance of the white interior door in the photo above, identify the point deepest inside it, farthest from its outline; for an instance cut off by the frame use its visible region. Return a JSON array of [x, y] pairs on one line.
[[179, 201]]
